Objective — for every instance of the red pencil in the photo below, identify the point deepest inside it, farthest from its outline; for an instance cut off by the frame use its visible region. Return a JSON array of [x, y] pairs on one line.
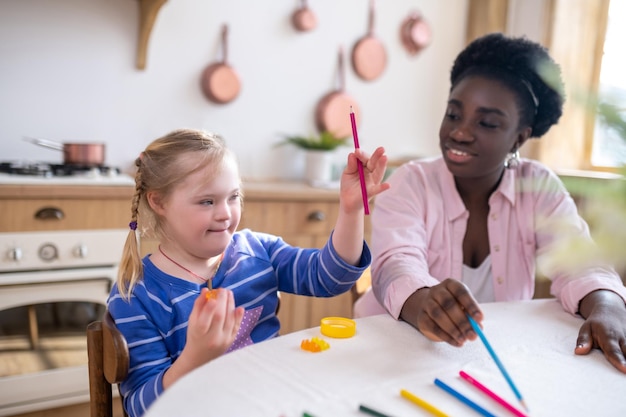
[[355, 135], [491, 394]]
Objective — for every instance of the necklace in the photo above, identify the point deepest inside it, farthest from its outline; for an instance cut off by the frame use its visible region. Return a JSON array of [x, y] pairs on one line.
[[209, 281]]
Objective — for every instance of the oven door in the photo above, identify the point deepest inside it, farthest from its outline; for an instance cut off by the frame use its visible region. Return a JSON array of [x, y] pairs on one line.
[[44, 363]]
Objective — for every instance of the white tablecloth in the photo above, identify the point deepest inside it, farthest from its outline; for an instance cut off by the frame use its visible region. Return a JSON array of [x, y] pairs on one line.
[[534, 339]]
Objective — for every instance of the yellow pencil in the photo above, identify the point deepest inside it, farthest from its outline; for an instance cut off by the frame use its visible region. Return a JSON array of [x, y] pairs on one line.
[[426, 406]]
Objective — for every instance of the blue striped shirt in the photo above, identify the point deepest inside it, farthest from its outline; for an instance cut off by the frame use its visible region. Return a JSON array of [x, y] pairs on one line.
[[255, 267]]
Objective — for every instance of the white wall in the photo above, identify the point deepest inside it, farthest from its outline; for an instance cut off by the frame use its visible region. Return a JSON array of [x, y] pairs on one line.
[[67, 73]]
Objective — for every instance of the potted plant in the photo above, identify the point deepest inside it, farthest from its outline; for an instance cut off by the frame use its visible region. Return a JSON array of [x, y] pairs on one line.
[[318, 153]]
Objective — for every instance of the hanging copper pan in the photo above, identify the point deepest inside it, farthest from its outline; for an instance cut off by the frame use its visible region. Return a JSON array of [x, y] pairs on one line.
[[369, 57], [303, 19], [220, 83], [333, 110], [415, 33]]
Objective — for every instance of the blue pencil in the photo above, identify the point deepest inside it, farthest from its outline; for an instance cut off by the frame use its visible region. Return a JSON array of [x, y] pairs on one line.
[[462, 398], [480, 334]]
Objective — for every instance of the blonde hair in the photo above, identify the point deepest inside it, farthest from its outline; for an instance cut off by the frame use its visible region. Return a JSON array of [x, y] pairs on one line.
[[159, 170]]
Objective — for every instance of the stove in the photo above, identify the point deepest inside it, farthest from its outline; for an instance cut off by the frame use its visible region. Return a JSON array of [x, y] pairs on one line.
[[56, 273], [43, 173]]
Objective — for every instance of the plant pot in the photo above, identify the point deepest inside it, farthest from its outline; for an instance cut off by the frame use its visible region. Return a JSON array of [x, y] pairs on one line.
[[318, 167]]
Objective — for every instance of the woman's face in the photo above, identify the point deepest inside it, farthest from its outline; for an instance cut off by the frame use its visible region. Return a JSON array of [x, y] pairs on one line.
[[480, 127]]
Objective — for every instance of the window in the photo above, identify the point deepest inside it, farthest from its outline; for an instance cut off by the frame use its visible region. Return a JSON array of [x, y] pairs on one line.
[[609, 143]]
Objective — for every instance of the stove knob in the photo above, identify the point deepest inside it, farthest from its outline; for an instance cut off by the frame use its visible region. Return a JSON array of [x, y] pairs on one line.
[[81, 251], [48, 252], [16, 254]]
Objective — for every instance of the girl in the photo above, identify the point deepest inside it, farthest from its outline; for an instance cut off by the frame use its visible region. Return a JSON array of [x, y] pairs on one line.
[[188, 194]]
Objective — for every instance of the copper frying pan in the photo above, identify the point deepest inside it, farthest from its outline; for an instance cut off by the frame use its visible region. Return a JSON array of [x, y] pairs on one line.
[[220, 83], [333, 110], [369, 57], [303, 19]]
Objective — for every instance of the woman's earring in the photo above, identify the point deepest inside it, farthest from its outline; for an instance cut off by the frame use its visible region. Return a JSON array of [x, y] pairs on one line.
[[512, 160]]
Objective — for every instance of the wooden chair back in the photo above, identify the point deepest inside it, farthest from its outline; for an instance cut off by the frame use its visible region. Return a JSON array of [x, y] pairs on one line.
[[107, 351]]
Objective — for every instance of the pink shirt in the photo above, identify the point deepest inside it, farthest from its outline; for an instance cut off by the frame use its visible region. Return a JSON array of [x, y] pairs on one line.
[[418, 227]]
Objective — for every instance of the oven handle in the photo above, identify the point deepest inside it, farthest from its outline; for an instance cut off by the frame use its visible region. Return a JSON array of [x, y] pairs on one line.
[[50, 213], [59, 275]]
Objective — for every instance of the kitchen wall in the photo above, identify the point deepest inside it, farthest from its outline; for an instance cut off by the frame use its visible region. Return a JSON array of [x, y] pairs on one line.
[[67, 73]]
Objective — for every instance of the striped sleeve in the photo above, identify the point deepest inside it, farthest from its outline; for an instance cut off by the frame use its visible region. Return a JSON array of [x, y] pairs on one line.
[[147, 344]]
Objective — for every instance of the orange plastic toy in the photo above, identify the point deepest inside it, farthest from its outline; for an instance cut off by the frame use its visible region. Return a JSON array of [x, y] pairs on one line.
[[314, 344]]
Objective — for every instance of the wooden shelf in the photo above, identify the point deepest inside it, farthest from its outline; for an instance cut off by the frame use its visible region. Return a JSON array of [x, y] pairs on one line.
[[148, 11]]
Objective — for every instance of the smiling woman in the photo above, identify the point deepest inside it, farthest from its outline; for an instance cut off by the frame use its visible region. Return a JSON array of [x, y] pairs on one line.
[[477, 224]]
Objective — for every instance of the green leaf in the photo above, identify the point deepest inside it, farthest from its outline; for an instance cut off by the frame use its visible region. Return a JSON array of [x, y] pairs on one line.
[[324, 142]]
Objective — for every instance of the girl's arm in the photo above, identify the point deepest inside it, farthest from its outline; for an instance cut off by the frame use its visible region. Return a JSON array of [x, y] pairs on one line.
[[349, 229]]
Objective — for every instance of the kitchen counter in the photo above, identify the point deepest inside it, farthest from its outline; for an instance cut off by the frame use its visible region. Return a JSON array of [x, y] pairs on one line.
[[64, 191], [288, 191], [276, 190]]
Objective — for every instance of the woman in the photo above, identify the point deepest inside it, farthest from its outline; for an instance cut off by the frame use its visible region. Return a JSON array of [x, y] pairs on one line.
[[474, 224]]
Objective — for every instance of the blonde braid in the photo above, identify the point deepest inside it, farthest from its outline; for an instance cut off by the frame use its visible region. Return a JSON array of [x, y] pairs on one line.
[[131, 267]]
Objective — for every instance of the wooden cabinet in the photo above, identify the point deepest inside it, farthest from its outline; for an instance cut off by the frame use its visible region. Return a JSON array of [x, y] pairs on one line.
[[27, 208], [303, 216]]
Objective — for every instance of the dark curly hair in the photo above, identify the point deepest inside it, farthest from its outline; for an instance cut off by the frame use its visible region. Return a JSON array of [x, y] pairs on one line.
[[523, 66]]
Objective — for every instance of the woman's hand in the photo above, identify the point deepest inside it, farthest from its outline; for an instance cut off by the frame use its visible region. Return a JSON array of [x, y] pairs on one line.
[[604, 327], [374, 167], [440, 312], [213, 325]]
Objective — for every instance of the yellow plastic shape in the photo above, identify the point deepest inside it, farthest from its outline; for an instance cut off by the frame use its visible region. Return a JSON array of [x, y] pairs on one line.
[[338, 327]]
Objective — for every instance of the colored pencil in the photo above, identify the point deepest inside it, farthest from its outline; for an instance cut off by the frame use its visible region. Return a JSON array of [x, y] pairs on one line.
[[359, 164], [425, 405], [462, 398], [371, 411], [491, 394], [480, 334]]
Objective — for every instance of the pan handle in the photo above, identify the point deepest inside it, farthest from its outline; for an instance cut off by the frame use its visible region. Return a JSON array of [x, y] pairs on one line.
[[45, 143]]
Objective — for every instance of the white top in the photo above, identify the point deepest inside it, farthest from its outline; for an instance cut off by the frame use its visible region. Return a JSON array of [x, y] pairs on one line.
[[534, 340], [480, 281]]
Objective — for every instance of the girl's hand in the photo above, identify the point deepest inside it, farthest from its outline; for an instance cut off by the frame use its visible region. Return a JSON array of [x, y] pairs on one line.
[[604, 327], [439, 312], [374, 167], [213, 324]]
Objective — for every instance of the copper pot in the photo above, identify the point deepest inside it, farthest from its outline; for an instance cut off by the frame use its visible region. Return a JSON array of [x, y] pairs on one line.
[[415, 33], [83, 154]]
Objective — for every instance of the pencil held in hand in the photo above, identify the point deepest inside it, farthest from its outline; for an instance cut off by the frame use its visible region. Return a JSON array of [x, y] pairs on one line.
[[355, 135], [503, 371]]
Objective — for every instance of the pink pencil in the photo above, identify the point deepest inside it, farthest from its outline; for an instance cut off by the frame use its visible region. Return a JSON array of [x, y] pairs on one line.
[[355, 135], [491, 394]]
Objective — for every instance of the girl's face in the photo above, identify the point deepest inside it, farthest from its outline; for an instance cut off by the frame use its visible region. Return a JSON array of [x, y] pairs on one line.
[[479, 128], [201, 216]]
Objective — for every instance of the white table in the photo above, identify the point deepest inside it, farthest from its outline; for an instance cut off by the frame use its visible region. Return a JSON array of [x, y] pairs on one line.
[[534, 339]]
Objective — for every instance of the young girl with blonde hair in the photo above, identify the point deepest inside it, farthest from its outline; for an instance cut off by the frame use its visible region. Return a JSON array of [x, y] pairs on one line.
[[188, 196]]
